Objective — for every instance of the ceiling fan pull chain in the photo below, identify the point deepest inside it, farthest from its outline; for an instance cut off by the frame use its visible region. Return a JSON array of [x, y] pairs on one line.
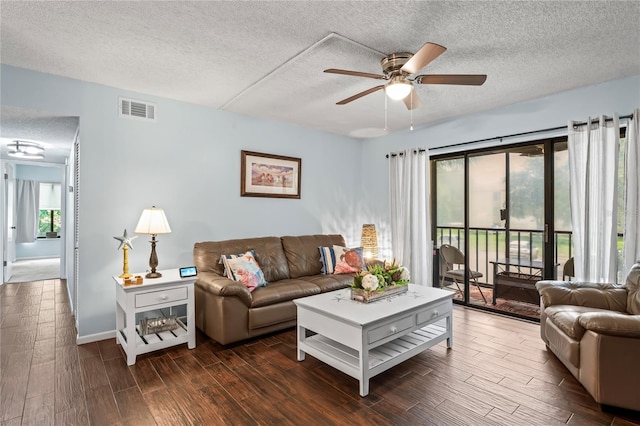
[[386, 122], [411, 111]]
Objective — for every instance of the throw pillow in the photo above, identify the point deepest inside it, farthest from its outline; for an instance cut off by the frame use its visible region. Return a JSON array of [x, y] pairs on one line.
[[246, 270], [341, 260], [224, 257], [348, 260], [328, 259]]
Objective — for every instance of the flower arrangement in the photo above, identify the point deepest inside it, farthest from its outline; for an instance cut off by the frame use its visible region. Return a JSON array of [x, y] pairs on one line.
[[379, 276]]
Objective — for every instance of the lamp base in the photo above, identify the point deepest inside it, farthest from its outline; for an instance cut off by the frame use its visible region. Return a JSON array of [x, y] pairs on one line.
[[153, 275]]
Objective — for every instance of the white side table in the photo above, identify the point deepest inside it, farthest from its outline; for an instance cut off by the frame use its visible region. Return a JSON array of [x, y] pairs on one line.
[[168, 294]]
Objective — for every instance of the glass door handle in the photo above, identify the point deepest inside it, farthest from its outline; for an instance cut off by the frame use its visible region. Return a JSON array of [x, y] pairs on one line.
[[546, 232]]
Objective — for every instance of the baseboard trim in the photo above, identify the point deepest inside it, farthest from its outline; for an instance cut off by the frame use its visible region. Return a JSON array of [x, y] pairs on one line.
[[81, 340]]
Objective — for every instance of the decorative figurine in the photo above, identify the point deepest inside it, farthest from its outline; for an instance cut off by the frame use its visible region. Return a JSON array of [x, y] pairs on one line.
[[125, 244]]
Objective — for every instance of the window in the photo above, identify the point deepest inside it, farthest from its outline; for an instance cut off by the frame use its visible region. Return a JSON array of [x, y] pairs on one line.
[[50, 218]]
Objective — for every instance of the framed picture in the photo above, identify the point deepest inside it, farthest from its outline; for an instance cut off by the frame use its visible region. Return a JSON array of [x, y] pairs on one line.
[[266, 175]]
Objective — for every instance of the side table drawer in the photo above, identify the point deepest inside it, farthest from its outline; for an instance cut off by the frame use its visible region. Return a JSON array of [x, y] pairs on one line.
[[431, 313], [162, 296], [390, 329]]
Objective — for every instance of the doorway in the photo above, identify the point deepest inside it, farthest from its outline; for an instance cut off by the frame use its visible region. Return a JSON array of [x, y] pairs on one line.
[[496, 207], [36, 209]]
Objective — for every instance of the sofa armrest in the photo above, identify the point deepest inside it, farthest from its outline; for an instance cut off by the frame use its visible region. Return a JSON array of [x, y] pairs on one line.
[[223, 286], [592, 295], [611, 323]]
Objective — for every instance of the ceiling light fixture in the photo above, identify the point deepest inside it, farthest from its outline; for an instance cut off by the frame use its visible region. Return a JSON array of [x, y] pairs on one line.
[[26, 150], [398, 87]]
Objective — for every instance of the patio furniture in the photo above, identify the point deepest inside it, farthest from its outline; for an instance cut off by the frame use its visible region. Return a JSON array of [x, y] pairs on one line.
[[453, 257], [568, 269], [515, 279]]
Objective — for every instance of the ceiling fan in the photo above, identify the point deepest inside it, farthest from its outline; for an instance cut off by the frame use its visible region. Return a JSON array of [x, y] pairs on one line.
[[398, 69]]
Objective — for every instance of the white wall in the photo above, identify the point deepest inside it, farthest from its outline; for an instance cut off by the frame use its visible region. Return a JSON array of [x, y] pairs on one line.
[[188, 163], [620, 96], [40, 248]]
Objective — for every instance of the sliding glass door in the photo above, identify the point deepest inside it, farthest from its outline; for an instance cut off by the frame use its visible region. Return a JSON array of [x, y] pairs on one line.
[[494, 206]]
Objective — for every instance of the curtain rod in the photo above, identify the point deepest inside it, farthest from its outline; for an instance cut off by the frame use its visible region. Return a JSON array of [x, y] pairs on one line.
[[415, 151], [531, 132]]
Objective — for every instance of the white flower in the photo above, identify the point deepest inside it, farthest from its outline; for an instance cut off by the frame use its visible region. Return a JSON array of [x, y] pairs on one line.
[[405, 274], [370, 282]]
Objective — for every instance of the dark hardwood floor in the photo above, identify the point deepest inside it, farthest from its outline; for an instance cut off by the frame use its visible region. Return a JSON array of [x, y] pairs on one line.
[[498, 373]]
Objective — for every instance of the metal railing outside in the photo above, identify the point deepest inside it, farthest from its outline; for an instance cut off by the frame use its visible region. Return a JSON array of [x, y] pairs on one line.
[[490, 244]]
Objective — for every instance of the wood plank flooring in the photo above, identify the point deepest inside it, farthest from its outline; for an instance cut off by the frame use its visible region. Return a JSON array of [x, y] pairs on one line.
[[498, 373]]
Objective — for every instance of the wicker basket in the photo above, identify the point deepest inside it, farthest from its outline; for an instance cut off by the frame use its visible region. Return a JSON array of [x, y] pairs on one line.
[[157, 325]]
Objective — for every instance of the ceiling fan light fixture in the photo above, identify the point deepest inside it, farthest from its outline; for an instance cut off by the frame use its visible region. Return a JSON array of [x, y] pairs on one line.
[[26, 150], [398, 88]]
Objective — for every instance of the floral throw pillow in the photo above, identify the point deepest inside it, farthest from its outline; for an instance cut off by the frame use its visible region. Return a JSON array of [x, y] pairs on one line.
[[224, 257], [246, 270]]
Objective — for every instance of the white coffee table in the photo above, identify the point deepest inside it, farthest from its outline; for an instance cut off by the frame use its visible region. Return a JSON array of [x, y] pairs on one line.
[[363, 340]]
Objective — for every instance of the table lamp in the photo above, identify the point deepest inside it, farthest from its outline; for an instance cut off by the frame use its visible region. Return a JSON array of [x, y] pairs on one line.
[[369, 241], [153, 222]]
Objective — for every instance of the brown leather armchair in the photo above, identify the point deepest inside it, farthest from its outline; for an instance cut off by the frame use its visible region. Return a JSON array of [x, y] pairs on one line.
[[594, 330]]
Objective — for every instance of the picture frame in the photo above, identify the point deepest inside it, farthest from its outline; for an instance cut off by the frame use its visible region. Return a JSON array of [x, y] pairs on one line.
[[268, 175]]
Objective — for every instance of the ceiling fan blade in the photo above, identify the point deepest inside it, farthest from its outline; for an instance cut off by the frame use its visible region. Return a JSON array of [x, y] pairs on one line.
[[412, 101], [461, 79], [422, 57], [355, 73], [359, 95]]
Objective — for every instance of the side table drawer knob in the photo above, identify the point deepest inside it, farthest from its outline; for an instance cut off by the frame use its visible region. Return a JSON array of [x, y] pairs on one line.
[[436, 313], [164, 297], [394, 329]]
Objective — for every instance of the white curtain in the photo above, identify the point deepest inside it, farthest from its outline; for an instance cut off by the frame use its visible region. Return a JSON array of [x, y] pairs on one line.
[[410, 221], [27, 217], [632, 194], [593, 160]]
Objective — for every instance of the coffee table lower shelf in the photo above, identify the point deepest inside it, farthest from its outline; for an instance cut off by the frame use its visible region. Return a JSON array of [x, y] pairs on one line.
[[380, 358]]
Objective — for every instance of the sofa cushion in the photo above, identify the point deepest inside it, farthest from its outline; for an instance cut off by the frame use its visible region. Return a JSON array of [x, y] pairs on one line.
[[595, 295], [633, 289], [268, 252], [330, 282], [281, 291], [270, 315], [565, 317], [302, 255]]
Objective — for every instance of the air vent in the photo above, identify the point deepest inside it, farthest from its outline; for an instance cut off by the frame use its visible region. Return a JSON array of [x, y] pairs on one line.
[[131, 108]]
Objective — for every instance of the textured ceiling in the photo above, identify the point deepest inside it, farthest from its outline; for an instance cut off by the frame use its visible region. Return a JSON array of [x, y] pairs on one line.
[[265, 59], [55, 134]]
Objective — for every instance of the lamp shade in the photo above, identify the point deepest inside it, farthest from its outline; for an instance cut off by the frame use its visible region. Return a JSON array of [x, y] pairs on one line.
[[153, 221], [369, 241]]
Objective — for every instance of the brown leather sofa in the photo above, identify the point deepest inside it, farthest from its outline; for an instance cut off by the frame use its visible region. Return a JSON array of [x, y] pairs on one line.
[[227, 312], [594, 329]]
